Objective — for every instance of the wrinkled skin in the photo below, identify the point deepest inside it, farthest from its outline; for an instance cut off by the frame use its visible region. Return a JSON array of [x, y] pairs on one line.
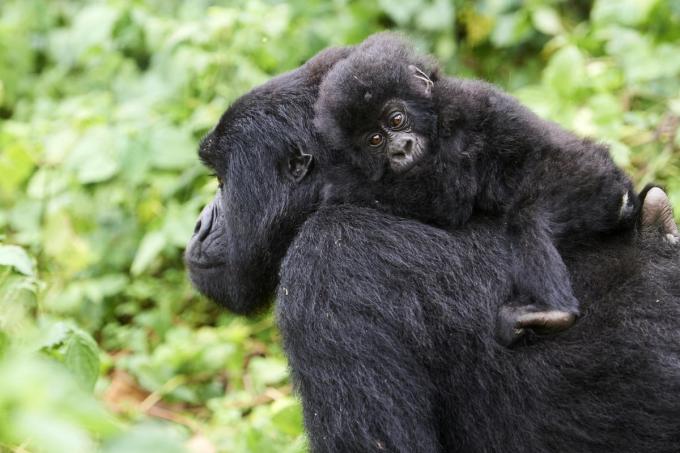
[[387, 323]]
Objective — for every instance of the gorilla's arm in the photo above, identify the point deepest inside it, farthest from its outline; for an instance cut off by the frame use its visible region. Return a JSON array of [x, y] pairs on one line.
[[387, 325]]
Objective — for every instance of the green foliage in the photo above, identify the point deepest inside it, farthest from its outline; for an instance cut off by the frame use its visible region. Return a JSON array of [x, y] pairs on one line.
[[103, 344]]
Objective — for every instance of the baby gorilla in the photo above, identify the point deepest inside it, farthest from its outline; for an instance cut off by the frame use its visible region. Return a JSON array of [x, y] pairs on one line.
[[442, 150]]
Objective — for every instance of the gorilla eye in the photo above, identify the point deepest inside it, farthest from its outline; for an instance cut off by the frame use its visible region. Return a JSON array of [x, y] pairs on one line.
[[396, 120], [375, 140]]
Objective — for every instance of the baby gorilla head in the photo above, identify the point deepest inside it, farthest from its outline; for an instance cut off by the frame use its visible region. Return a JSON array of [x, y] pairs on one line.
[[376, 107]]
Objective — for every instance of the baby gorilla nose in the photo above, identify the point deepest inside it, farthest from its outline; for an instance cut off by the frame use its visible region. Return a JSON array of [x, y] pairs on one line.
[[401, 149], [406, 144], [402, 153]]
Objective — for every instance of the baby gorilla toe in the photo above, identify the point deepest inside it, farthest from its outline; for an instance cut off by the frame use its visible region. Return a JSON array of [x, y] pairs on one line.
[[513, 322]]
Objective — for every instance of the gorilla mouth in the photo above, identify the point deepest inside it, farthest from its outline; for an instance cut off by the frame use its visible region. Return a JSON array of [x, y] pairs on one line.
[[205, 264]]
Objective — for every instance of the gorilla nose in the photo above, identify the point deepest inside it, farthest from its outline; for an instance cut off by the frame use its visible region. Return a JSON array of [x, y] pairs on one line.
[[204, 224], [402, 149]]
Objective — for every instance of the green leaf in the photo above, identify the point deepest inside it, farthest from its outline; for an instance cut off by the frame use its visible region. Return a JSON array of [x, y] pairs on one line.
[[267, 371], [172, 148], [148, 250], [94, 157], [437, 16], [546, 20], [402, 14], [565, 71], [54, 334], [511, 29], [47, 183], [149, 437], [620, 153], [15, 256], [81, 357], [16, 165], [4, 343], [625, 12], [287, 416], [51, 434]]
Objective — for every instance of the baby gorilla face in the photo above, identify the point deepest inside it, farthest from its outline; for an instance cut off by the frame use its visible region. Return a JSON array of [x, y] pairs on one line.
[[396, 138]]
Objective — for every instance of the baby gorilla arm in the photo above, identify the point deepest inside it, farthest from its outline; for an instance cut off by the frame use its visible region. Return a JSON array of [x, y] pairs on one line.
[[542, 298], [577, 202]]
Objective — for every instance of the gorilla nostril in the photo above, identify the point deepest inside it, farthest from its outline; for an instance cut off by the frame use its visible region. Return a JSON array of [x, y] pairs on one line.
[[408, 144], [205, 223]]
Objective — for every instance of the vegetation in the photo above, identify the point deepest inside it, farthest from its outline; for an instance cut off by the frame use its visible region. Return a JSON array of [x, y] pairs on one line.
[[103, 344]]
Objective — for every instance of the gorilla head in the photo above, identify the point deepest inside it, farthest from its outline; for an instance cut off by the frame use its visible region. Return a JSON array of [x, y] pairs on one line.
[[243, 233], [376, 105]]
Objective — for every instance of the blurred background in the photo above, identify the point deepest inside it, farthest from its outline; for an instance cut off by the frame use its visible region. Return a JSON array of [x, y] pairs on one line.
[[103, 344]]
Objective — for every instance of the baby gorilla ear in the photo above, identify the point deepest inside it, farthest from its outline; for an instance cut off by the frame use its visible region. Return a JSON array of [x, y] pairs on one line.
[[297, 165], [423, 83]]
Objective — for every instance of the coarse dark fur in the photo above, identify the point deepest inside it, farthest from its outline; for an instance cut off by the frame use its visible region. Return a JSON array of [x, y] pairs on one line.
[[383, 319], [486, 154], [242, 235]]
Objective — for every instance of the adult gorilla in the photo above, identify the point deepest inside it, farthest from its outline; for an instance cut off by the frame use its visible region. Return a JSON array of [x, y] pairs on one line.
[[387, 323]]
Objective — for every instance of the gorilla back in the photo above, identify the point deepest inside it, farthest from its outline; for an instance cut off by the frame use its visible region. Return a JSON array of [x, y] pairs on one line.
[[386, 324]]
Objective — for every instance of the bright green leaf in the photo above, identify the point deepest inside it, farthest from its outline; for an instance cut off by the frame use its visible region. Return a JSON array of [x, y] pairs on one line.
[[81, 357], [565, 71], [546, 20], [148, 250], [15, 256]]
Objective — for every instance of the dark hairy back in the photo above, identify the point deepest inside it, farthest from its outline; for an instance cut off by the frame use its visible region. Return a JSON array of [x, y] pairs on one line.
[[610, 383]]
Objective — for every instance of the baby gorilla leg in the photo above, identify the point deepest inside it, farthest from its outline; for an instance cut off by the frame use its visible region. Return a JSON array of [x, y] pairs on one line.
[[543, 299], [591, 208]]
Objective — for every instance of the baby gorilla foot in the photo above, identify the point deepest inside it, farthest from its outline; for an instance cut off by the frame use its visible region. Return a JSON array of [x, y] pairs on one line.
[[513, 322]]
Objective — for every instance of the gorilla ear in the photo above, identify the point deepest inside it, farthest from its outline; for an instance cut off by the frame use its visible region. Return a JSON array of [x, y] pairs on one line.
[[657, 214], [423, 83], [297, 165]]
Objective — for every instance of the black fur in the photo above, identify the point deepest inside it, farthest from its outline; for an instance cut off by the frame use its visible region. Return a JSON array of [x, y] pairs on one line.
[[385, 320], [386, 324], [243, 234], [487, 155]]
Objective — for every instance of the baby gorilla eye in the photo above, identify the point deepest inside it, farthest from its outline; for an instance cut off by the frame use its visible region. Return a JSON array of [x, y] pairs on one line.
[[396, 120], [375, 140]]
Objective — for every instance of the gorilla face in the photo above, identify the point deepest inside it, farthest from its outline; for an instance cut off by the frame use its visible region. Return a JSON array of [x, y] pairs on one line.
[[261, 151]]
